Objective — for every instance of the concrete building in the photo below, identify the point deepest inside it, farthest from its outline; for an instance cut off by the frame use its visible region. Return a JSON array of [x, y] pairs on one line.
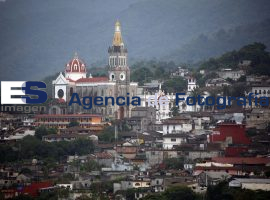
[[142, 118], [258, 118], [177, 125], [251, 183], [88, 121], [216, 82], [232, 74], [172, 140], [211, 178]]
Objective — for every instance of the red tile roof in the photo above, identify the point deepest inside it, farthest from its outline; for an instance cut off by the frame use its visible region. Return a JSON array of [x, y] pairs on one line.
[[70, 80], [34, 188], [76, 65], [67, 115], [242, 160], [91, 80], [103, 155]]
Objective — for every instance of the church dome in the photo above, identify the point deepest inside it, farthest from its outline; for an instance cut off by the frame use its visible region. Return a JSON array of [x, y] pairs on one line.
[[75, 65]]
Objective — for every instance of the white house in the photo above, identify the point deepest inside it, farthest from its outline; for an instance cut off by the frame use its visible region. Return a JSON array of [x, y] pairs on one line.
[[232, 74], [177, 125], [172, 140]]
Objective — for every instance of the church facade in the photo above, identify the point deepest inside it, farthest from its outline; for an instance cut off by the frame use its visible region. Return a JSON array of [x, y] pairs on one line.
[[117, 83]]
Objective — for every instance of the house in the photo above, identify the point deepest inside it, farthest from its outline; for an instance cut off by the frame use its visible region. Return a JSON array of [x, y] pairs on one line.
[[229, 133], [231, 74], [76, 130], [141, 118], [154, 156], [216, 82], [217, 167], [256, 80], [247, 165], [177, 124], [61, 137], [103, 158], [212, 178], [180, 72], [258, 118], [127, 150], [170, 141], [251, 183], [61, 121], [35, 188]]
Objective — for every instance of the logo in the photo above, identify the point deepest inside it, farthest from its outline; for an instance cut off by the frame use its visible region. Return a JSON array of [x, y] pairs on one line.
[[23, 92]]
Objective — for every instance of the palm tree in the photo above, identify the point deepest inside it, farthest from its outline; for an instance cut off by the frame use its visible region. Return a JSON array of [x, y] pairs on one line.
[[215, 93], [195, 93]]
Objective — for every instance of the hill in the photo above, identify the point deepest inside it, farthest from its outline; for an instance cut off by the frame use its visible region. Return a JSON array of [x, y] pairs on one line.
[[38, 37]]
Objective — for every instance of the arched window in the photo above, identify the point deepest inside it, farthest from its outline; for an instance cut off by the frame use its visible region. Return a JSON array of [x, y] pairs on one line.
[[71, 91]]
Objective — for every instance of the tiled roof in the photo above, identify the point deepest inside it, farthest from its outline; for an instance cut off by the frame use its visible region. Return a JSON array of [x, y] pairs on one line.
[[67, 115], [94, 79], [103, 155], [242, 160]]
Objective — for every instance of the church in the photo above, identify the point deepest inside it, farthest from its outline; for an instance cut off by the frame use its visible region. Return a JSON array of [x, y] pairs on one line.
[[117, 83]]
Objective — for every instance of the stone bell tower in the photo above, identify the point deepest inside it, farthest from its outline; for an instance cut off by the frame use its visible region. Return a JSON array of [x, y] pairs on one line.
[[118, 70]]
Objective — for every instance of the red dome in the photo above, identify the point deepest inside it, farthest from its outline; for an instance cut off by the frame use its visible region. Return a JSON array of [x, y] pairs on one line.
[[76, 65]]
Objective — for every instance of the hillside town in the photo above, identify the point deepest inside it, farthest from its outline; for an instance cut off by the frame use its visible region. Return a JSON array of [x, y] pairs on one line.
[[133, 152]]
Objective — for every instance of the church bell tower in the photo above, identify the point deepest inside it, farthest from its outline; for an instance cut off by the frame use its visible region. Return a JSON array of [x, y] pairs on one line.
[[118, 69]]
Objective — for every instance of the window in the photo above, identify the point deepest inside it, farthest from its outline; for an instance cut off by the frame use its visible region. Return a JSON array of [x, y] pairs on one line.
[[60, 94], [173, 140], [71, 91]]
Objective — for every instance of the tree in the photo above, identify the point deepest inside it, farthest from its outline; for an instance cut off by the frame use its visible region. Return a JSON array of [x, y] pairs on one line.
[[73, 124], [195, 93], [174, 163], [175, 111], [174, 85], [179, 193], [107, 134], [41, 131]]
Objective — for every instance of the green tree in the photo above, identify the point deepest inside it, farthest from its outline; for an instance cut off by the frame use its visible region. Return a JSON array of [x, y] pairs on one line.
[[73, 124], [175, 111], [41, 131], [179, 193], [174, 163], [107, 135], [195, 93], [174, 85]]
